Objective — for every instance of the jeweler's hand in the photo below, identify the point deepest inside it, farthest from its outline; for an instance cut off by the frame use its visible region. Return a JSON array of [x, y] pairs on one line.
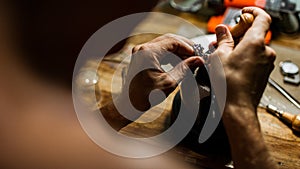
[[146, 76], [248, 65], [146, 84]]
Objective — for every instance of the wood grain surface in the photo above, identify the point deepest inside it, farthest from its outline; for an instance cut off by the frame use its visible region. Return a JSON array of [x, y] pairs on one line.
[[282, 142]]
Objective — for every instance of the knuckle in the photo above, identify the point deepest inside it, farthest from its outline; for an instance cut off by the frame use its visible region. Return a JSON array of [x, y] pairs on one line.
[[136, 48], [264, 15], [142, 47], [167, 79], [163, 77], [268, 18], [140, 53], [271, 55], [169, 35], [169, 82]]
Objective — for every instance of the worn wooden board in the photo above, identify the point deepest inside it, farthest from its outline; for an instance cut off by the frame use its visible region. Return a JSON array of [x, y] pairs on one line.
[[283, 143]]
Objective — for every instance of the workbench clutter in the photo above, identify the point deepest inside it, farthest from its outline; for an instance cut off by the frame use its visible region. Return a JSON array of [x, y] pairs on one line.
[[215, 152], [231, 17], [290, 71], [279, 108], [285, 13]]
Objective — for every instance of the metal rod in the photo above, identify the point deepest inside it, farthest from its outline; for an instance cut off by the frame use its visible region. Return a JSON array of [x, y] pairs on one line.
[[284, 93]]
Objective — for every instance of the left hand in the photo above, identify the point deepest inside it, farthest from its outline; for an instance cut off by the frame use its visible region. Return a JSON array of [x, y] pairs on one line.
[[146, 76]]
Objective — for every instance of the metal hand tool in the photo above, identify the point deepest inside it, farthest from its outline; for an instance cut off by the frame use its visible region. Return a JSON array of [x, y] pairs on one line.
[[293, 120], [284, 92]]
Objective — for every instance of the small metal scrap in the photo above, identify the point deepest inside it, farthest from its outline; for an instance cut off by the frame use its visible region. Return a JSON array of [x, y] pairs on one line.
[[199, 51]]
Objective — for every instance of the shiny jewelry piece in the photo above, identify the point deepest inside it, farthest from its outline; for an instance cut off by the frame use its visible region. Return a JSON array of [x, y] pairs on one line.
[[199, 51]]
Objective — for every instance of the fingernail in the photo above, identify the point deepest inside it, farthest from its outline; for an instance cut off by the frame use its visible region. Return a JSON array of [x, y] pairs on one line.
[[220, 31], [198, 61]]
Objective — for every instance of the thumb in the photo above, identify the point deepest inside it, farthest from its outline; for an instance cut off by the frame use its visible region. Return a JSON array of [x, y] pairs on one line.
[[225, 41]]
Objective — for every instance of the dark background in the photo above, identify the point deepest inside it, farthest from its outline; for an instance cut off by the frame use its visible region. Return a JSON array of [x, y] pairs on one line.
[[52, 33]]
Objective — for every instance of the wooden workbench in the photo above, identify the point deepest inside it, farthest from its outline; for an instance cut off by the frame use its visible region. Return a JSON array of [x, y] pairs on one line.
[[284, 145]]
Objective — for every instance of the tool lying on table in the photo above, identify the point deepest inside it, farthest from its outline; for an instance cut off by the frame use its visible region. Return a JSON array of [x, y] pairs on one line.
[[291, 119], [284, 93]]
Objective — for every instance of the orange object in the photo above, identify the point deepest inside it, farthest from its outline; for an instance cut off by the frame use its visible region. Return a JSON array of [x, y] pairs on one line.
[[213, 22], [228, 19], [268, 37], [238, 30]]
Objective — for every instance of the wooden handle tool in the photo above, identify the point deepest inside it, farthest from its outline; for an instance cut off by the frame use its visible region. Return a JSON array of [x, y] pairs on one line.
[[293, 120], [246, 20]]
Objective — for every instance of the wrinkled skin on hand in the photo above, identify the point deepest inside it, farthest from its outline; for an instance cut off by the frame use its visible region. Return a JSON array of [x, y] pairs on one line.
[[146, 76], [248, 65]]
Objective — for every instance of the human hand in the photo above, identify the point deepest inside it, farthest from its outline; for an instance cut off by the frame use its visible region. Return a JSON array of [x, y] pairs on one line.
[[145, 76], [248, 65]]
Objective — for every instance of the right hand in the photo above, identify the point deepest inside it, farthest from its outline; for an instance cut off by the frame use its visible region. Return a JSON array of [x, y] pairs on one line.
[[247, 68], [248, 65]]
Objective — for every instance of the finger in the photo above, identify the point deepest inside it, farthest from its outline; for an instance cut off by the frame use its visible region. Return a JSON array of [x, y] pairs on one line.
[[169, 81], [260, 24], [181, 69], [213, 46], [170, 35], [257, 13], [176, 44], [225, 41]]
